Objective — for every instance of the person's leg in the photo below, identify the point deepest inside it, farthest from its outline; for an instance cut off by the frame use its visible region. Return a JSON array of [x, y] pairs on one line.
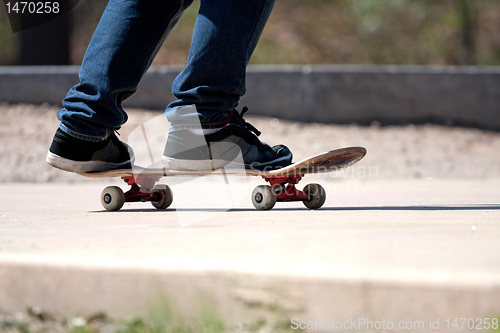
[[225, 36], [121, 50], [209, 88]]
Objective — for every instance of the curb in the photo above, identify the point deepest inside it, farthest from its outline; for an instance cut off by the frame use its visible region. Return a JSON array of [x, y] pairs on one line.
[[243, 298], [465, 96]]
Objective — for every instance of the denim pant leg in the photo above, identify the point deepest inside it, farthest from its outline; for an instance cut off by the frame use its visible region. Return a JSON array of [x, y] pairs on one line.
[[225, 36], [122, 48]]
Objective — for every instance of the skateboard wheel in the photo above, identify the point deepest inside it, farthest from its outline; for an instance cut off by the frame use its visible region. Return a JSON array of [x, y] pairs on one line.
[[316, 196], [166, 196], [263, 197], [112, 198]]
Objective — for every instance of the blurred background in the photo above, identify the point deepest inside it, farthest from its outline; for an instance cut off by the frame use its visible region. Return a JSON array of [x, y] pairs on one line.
[[415, 32]]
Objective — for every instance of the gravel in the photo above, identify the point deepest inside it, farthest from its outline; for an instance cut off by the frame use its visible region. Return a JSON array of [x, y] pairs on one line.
[[411, 151]]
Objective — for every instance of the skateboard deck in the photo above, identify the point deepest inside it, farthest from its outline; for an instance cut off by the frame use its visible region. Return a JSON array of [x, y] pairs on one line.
[[281, 181]]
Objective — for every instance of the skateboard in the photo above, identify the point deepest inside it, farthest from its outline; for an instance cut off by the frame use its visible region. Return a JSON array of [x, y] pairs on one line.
[[281, 188]]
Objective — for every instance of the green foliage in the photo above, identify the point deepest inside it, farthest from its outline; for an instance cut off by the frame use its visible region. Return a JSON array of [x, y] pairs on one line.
[[8, 41], [445, 32], [430, 32]]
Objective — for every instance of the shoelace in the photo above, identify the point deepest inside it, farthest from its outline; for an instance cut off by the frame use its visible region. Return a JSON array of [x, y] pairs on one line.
[[246, 124], [253, 133]]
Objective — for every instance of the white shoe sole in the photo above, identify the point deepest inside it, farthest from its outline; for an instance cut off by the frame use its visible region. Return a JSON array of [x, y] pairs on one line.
[[85, 166]]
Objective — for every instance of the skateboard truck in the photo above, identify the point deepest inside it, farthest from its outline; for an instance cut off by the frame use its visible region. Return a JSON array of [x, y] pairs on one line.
[[282, 189], [264, 197], [142, 188]]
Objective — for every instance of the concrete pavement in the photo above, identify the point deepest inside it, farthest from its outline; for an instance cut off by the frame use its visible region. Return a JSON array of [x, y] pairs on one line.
[[399, 251]]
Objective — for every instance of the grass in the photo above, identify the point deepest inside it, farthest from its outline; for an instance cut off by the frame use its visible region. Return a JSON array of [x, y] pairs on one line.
[[163, 318]]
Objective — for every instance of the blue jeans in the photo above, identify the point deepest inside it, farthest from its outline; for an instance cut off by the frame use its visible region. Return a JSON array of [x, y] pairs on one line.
[[123, 47]]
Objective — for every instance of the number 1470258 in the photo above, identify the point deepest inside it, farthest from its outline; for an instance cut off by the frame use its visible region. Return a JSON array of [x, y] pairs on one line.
[[33, 7], [472, 323]]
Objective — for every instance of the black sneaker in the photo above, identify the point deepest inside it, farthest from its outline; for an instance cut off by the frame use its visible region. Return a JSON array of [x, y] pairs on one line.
[[235, 145], [71, 154]]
